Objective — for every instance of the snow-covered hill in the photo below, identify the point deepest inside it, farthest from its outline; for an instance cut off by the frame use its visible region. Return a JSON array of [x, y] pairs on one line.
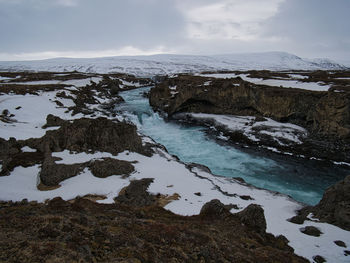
[[170, 64]]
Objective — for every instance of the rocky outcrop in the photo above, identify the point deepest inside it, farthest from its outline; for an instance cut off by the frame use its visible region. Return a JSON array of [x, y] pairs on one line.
[[325, 115], [136, 194], [51, 174], [232, 96], [214, 209], [253, 216], [334, 206], [108, 166], [331, 116], [90, 135]]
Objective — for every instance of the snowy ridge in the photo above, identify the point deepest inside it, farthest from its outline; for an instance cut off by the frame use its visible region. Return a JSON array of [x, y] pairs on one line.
[[171, 64]]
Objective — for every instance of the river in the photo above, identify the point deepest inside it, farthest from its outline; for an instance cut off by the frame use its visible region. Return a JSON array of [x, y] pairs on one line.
[[304, 180]]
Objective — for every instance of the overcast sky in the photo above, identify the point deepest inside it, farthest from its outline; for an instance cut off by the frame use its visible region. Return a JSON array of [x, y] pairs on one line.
[[34, 29]]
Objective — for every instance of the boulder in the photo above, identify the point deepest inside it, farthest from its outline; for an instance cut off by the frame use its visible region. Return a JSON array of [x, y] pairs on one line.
[[52, 174], [108, 166], [213, 209], [334, 206], [90, 135], [136, 194], [253, 216], [311, 231], [53, 121]]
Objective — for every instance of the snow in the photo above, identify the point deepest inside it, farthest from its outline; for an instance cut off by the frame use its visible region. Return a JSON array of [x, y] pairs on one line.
[[66, 157], [315, 86], [73, 82], [27, 149], [22, 183], [172, 64], [167, 171], [344, 78], [5, 79], [297, 76], [31, 116], [250, 128]]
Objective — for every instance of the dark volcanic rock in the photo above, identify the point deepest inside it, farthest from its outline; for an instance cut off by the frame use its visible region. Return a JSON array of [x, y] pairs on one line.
[[214, 209], [90, 135], [334, 206], [108, 166], [340, 243], [233, 96], [319, 259], [311, 231], [53, 121], [253, 216], [136, 193], [52, 174], [326, 115], [298, 219]]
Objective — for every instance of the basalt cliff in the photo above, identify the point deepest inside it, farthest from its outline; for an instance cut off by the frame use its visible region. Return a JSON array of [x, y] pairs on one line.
[[324, 114]]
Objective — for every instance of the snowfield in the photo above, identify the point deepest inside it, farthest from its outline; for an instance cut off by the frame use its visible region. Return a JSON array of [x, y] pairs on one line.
[[315, 86], [172, 64], [249, 127]]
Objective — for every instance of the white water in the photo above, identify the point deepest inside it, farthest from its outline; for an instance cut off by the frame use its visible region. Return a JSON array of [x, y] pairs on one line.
[[302, 179]]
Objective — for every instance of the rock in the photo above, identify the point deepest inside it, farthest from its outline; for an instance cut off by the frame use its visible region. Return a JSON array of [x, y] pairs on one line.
[[311, 231], [253, 216], [214, 209], [319, 259], [225, 97], [52, 174], [136, 194], [340, 243], [282, 243], [246, 197], [108, 166], [24, 159], [90, 135], [57, 204], [334, 207], [326, 115], [53, 121], [332, 115], [298, 219]]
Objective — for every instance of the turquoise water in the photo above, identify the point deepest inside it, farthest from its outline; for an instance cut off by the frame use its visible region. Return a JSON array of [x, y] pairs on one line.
[[302, 179]]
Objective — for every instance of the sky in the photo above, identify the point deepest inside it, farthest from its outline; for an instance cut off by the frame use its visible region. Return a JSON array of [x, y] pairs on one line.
[[37, 29]]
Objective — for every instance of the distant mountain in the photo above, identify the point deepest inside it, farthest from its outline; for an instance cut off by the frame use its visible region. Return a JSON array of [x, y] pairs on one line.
[[171, 64]]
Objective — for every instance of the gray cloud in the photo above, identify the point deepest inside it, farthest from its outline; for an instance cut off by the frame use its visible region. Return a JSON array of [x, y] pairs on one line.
[[310, 28], [90, 24]]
